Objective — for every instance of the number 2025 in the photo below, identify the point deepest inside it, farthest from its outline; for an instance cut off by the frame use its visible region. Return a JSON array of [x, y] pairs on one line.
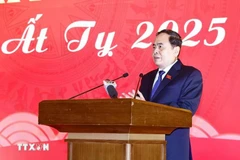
[[186, 40]]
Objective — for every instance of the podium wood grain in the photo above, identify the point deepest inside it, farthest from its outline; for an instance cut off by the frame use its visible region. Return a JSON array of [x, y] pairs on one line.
[[114, 116]]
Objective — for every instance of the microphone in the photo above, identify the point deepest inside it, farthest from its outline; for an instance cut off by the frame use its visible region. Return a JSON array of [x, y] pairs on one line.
[[112, 92], [123, 76], [140, 77], [110, 87]]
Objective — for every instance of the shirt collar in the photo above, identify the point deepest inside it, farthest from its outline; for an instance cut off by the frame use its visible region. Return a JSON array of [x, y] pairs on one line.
[[167, 68]]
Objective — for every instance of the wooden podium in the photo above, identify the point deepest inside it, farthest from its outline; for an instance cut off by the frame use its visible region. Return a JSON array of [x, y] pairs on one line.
[[114, 129]]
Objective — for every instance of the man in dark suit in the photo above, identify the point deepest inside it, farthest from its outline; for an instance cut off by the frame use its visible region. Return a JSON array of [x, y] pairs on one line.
[[173, 84]]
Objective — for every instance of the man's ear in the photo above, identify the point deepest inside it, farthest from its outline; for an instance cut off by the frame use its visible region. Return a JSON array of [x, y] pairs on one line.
[[176, 50]]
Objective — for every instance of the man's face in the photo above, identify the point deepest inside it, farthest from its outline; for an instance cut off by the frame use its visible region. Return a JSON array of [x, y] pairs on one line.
[[163, 53]]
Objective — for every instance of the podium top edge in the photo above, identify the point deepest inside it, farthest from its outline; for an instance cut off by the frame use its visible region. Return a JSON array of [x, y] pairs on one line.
[[91, 100], [117, 100]]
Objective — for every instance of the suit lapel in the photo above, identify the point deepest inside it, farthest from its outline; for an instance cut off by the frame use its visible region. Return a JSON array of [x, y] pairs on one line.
[[172, 73]]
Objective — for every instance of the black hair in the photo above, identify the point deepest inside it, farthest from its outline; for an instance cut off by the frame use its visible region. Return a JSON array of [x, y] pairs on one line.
[[174, 39]]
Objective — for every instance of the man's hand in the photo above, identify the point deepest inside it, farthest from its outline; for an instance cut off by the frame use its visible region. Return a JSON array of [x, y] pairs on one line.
[[131, 95]]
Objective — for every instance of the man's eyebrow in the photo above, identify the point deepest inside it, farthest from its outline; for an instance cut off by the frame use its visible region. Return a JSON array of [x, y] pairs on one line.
[[157, 44]]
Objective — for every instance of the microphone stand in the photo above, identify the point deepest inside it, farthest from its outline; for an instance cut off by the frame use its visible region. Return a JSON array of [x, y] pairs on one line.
[[140, 76], [85, 92], [124, 75]]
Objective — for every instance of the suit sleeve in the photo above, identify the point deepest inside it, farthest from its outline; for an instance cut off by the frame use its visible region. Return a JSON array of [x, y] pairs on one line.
[[191, 92]]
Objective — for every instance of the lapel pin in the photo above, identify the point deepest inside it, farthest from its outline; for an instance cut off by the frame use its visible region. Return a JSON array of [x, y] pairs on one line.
[[168, 76]]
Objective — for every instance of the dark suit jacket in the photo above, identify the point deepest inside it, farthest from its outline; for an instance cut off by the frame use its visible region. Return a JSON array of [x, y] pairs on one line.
[[181, 88]]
